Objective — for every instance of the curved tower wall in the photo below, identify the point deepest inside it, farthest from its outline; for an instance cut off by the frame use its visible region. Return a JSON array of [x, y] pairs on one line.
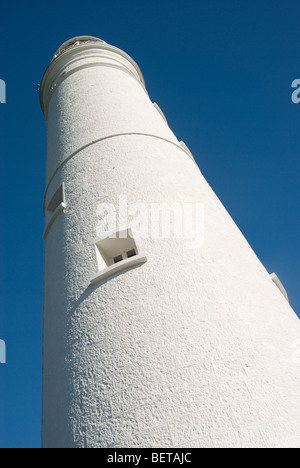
[[192, 347]]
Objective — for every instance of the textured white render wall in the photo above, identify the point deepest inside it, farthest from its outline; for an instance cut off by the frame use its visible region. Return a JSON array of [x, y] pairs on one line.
[[192, 348]]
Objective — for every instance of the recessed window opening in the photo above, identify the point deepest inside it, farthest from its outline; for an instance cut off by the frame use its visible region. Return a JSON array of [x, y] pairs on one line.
[[57, 199], [187, 150], [160, 111], [116, 253], [279, 285], [54, 208], [115, 249]]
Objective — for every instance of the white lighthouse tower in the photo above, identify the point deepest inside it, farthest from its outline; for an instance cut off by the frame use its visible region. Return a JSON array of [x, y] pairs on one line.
[[153, 340]]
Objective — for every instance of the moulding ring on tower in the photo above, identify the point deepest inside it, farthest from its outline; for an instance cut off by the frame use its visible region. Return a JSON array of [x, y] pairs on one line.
[[85, 55]]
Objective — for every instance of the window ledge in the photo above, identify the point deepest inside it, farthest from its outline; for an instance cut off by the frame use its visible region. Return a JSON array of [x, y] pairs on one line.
[[56, 213], [118, 267], [279, 285], [160, 111]]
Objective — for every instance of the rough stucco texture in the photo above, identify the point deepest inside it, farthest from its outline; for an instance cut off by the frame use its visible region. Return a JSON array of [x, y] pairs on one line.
[[192, 348]]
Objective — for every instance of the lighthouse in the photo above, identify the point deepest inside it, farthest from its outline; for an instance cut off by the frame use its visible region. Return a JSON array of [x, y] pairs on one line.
[[161, 326]]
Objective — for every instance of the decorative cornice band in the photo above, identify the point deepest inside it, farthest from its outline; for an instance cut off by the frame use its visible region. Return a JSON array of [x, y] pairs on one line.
[[89, 54], [107, 138]]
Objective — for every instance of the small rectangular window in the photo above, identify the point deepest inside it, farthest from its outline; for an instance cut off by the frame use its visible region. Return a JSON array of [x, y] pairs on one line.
[[118, 259], [131, 253]]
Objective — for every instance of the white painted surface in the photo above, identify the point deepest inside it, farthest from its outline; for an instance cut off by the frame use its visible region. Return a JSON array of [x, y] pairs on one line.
[[191, 349]]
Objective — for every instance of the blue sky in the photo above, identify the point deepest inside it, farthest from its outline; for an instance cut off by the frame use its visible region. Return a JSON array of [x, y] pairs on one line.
[[221, 71]]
